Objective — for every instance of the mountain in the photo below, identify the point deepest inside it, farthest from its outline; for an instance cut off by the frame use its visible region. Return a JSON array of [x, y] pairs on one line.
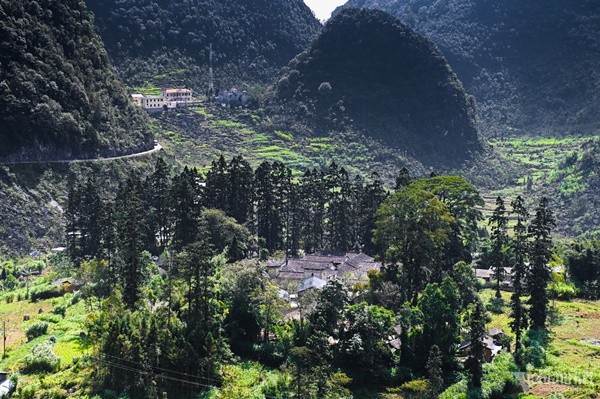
[[576, 189], [532, 65], [168, 40], [59, 95], [370, 72]]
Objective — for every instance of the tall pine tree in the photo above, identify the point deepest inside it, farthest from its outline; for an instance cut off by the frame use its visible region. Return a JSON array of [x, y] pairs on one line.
[[541, 250], [499, 238], [519, 247]]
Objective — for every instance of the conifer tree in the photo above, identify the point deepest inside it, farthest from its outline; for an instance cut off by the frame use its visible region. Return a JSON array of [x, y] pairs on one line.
[[373, 195], [477, 318], [403, 179], [159, 187], [435, 373], [241, 190], [499, 238], [130, 212], [541, 250], [519, 246], [337, 226], [217, 185], [312, 192], [186, 200]]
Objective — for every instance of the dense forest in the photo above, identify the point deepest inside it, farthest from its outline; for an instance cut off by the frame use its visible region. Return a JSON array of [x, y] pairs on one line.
[[251, 39], [209, 304], [368, 71], [59, 95], [531, 65]]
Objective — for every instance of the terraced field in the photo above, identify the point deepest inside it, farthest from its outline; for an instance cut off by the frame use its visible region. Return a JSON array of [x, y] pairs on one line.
[[543, 166], [200, 135]]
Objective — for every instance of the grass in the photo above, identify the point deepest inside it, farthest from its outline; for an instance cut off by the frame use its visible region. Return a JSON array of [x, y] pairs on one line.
[[148, 90], [68, 346], [570, 362]]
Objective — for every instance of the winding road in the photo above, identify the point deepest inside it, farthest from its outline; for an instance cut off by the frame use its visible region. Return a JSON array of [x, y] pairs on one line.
[[157, 147]]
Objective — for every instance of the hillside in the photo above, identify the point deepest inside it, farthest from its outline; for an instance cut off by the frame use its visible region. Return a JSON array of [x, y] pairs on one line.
[[168, 41], [59, 95], [532, 66], [368, 71]]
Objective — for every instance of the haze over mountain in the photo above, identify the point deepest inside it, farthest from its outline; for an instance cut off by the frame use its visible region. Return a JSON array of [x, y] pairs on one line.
[[251, 39], [532, 65], [370, 72], [58, 93]]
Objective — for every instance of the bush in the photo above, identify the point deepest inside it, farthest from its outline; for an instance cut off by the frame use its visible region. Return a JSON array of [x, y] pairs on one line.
[[41, 359], [36, 330], [535, 343], [561, 290], [47, 293], [498, 378], [495, 305], [60, 310], [9, 298]]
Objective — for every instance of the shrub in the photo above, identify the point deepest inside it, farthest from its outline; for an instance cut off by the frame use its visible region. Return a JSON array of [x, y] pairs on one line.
[[60, 310], [36, 330], [47, 293], [41, 359], [561, 290], [498, 377], [535, 343], [495, 305], [9, 297]]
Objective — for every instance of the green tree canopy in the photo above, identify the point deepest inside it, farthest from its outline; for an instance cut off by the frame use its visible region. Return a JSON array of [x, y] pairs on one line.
[[413, 226]]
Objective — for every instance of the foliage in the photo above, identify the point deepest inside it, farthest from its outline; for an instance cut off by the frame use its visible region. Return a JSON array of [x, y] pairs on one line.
[[414, 100], [413, 227], [36, 330], [521, 66], [583, 263], [59, 95], [497, 377], [440, 324], [41, 359], [561, 290], [272, 34]]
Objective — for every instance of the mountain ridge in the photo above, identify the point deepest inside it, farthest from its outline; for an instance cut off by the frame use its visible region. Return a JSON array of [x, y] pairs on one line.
[[519, 59], [59, 94], [367, 70]]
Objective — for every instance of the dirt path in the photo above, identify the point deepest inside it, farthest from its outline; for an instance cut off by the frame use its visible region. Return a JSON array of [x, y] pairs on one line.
[[157, 147]]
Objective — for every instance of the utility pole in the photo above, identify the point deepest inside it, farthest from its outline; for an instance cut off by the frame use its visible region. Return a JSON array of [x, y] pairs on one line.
[[4, 344]]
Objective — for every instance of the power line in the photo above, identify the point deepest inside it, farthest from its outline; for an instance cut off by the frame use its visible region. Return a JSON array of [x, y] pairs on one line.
[[161, 376], [163, 369]]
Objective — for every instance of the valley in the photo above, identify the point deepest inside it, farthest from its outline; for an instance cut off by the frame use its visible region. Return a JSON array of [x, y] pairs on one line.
[[225, 199]]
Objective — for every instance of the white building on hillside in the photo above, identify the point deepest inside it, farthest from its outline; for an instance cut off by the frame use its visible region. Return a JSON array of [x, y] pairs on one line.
[[179, 96]]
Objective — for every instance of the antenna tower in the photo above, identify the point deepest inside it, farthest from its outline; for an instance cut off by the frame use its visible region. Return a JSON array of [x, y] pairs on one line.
[[211, 74]]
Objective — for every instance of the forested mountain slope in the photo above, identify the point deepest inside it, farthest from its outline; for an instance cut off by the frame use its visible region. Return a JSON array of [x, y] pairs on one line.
[[59, 95], [370, 72], [532, 65], [251, 39]]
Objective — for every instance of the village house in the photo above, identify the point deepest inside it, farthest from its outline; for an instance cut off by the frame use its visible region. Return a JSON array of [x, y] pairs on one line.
[[349, 267], [232, 97], [492, 345], [149, 103], [170, 98], [178, 96], [311, 283], [67, 284], [487, 275]]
